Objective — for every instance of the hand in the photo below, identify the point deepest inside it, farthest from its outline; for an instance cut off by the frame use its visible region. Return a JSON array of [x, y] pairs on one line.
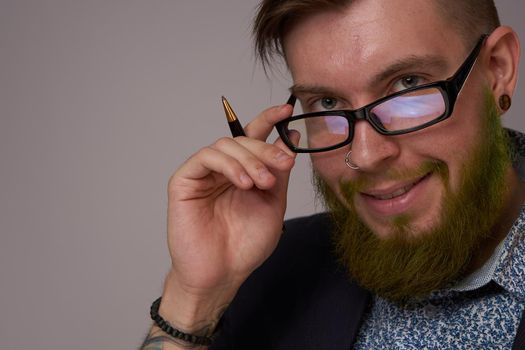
[[226, 209]]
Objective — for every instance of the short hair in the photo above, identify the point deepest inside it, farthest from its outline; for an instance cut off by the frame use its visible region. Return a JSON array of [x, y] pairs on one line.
[[275, 18]]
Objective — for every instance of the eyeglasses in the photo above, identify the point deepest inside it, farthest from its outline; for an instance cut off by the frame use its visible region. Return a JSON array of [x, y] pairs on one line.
[[403, 112]]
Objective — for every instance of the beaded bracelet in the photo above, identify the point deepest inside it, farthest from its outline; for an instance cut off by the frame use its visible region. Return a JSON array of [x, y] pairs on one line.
[[175, 333]]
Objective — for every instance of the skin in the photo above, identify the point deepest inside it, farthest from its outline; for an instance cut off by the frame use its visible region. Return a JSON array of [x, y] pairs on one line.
[[226, 203], [345, 56], [408, 264], [225, 213]]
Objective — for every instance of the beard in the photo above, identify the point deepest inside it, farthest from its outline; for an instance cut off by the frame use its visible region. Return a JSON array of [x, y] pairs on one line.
[[410, 264]]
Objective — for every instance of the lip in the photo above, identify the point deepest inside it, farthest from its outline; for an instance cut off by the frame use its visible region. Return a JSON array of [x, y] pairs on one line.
[[396, 199]]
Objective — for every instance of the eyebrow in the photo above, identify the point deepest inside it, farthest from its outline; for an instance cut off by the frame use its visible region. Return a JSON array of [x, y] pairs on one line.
[[427, 62], [298, 89]]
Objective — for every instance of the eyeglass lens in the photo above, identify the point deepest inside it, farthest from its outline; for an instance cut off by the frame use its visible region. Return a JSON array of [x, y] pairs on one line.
[[405, 111]]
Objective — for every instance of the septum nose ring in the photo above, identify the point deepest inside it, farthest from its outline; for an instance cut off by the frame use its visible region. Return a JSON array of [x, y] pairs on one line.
[[349, 163]]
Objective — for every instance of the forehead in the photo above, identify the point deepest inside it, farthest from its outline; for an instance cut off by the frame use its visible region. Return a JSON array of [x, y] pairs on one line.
[[366, 36]]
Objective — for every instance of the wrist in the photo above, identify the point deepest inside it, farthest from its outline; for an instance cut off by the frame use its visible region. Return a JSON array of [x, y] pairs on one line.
[[193, 340], [191, 311]]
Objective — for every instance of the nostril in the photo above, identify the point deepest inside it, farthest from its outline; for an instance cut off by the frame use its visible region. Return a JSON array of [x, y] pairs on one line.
[[372, 150]]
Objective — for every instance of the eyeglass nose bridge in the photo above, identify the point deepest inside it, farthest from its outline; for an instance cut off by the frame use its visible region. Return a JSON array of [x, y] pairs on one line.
[[357, 114], [353, 116]]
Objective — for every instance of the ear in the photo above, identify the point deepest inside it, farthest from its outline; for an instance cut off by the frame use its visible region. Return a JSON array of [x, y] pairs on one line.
[[503, 55]]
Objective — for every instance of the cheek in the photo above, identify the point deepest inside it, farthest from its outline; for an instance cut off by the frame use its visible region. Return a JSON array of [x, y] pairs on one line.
[[451, 148], [456, 142], [331, 167]]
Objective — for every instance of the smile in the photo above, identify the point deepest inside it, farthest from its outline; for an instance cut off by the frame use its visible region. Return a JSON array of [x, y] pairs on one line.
[[399, 192], [396, 199]]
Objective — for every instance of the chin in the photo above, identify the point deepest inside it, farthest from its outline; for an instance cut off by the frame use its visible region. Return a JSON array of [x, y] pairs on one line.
[[402, 226]]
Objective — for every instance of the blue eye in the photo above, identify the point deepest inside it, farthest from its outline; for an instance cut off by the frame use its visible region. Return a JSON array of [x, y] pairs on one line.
[[328, 103]]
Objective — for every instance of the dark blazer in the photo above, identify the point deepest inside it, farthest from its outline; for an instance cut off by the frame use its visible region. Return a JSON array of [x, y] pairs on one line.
[[300, 298]]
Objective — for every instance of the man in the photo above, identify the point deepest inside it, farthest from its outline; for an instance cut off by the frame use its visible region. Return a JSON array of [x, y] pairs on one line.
[[425, 241]]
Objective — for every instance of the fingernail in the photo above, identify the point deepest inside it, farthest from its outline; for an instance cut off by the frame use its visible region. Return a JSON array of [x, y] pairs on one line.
[[245, 179], [264, 173]]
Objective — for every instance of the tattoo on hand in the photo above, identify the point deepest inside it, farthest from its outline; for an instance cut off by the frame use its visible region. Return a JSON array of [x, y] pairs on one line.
[[157, 343]]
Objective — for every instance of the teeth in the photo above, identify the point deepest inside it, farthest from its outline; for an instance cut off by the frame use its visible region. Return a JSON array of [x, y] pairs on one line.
[[397, 193]]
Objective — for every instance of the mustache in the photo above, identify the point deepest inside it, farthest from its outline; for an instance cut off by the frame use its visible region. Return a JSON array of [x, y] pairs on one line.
[[349, 188]]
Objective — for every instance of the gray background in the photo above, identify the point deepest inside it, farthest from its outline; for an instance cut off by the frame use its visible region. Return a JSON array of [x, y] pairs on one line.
[[100, 100]]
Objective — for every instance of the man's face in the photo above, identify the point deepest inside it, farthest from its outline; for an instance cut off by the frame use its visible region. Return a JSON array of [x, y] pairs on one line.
[[344, 60], [401, 214], [406, 264]]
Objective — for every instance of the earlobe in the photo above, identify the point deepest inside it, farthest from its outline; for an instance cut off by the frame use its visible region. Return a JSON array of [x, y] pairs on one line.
[[505, 102], [503, 58]]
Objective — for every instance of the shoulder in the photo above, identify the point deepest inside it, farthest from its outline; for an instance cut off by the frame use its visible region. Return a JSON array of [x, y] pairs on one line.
[[304, 250], [308, 221], [305, 246], [305, 233], [317, 226]]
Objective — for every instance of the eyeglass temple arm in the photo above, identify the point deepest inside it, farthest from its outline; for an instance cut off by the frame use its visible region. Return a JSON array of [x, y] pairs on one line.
[[462, 74], [291, 100]]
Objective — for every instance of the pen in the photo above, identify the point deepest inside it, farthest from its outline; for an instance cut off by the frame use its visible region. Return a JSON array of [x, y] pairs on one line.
[[234, 124]]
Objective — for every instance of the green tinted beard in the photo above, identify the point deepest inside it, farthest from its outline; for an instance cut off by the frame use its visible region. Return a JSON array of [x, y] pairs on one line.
[[413, 264]]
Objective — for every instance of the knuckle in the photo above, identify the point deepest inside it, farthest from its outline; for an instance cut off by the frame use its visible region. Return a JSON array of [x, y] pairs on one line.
[[173, 183], [256, 163], [222, 142], [205, 152], [257, 166]]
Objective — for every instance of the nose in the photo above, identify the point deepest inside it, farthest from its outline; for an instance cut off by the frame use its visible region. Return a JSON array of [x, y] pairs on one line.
[[371, 151]]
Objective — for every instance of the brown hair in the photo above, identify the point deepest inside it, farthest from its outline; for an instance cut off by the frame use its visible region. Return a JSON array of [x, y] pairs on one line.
[[274, 18]]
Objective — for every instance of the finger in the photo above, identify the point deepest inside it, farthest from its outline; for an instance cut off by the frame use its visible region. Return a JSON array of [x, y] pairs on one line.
[[294, 137], [273, 156], [208, 161], [258, 158], [262, 125], [283, 176]]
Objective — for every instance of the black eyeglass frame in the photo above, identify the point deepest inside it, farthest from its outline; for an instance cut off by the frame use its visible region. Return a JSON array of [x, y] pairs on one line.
[[449, 88]]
